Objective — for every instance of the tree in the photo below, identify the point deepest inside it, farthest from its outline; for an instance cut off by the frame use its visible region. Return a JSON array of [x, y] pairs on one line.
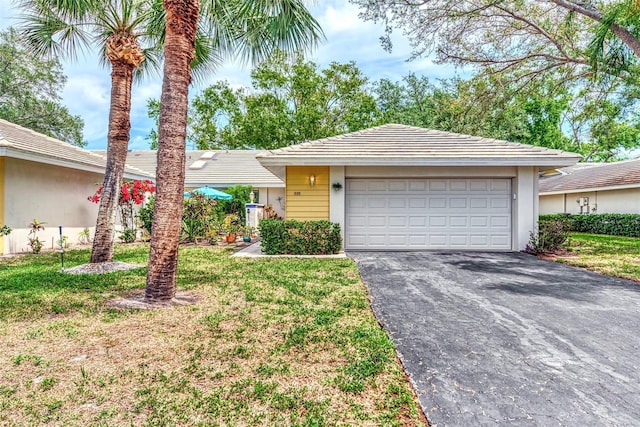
[[30, 91], [545, 114], [291, 100], [249, 28], [533, 37], [589, 49], [118, 29]]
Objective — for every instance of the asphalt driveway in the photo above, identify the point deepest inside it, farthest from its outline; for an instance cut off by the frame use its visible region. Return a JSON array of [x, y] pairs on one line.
[[508, 339]]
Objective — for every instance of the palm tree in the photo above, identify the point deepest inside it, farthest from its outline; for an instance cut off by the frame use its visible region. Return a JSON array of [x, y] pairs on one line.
[[64, 27], [251, 29]]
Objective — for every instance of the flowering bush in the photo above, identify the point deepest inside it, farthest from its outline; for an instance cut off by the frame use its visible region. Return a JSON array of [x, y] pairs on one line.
[[132, 193]]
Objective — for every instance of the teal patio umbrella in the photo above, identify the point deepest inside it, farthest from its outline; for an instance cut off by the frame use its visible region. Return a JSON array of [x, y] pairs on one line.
[[210, 193]]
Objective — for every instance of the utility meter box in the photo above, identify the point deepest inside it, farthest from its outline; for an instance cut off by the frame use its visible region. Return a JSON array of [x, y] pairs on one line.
[[255, 212]]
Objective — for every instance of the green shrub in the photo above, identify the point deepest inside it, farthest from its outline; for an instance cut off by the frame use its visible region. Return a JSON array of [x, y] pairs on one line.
[[241, 196], [551, 236], [145, 214], [612, 224], [300, 237], [198, 216], [627, 225]]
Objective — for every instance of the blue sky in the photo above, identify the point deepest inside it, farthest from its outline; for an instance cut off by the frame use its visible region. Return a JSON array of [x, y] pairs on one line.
[[348, 38]]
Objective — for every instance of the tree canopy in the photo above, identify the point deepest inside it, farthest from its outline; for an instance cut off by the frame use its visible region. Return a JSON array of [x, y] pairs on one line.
[[30, 88], [291, 100]]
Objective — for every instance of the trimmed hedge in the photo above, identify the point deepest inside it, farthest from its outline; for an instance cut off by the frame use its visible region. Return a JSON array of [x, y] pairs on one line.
[[627, 225], [293, 237]]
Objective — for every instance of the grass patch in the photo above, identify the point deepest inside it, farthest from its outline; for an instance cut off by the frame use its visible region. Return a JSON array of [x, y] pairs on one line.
[[270, 342], [611, 255]]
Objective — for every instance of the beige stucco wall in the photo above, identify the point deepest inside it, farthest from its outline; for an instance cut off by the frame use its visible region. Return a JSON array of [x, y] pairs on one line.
[[608, 201], [525, 206], [273, 196], [52, 194], [552, 204], [524, 186]]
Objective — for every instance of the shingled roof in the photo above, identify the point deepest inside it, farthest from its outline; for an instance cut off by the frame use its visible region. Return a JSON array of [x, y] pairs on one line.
[[601, 176], [215, 168], [22, 143], [401, 145]]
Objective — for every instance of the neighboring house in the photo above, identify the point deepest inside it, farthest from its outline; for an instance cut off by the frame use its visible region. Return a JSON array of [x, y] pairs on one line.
[[221, 169], [591, 188], [49, 180], [397, 187]]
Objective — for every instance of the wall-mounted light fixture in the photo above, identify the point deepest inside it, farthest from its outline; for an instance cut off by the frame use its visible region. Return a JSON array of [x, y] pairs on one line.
[[312, 180]]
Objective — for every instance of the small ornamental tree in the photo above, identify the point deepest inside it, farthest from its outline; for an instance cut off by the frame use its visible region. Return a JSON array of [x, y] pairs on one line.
[[131, 193]]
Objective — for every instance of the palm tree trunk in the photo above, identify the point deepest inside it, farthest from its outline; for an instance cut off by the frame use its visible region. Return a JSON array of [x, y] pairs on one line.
[[118, 141], [179, 49]]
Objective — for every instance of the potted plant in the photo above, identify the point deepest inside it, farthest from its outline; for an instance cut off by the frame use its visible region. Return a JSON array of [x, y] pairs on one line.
[[231, 227], [247, 233]]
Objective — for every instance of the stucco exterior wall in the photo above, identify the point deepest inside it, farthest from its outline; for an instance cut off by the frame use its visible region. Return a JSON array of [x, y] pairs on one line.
[[552, 204], [51, 194], [337, 204], [304, 202], [273, 196], [607, 201], [2, 173], [525, 206]]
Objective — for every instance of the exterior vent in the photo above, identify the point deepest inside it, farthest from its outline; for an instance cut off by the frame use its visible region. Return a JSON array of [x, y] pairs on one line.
[[198, 164], [209, 155]]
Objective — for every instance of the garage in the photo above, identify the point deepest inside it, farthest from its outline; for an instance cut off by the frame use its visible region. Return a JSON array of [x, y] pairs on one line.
[[398, 187], [414, 214]]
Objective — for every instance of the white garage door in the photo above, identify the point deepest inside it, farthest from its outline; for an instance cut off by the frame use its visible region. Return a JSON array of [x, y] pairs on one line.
[[409, 214]]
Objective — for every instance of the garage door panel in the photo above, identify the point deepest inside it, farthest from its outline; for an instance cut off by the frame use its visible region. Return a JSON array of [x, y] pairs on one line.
[[377, 185], [396, 203], [397, 186], [479, 185], [458, 203], [437, 185], [437, 203], [479, 221], [499, 203], [459, 221], [377, 221], [397, 221], [500, 221], [458, 240], [500, 185], [501, 240], [419, 186], [428, 214], [355, 185], [458, 185], [377, 203]]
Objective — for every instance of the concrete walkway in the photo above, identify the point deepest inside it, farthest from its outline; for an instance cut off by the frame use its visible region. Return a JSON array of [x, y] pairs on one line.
[[255, 251], [508, 339]]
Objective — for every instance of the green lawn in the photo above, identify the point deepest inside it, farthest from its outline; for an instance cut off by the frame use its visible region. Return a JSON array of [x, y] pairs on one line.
[[270, 342], [611, 255]]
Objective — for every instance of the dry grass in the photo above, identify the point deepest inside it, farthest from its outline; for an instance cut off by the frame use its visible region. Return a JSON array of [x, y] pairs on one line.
[[270, 342]]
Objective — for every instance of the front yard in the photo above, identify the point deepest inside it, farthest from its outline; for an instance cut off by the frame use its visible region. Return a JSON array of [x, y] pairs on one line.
[[270, 342], [611, 255]]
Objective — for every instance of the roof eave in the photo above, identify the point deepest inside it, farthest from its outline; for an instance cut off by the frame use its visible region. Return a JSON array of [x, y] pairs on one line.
[[591, 189], [197, 184], [546, 162], [16, 153]]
